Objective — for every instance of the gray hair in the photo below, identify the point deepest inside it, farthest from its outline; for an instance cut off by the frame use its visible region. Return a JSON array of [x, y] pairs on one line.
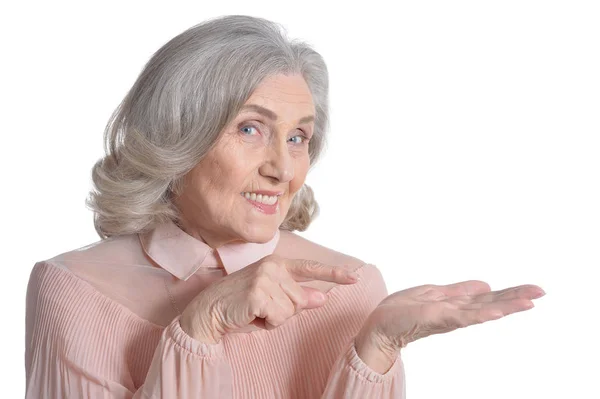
[[189, 90]]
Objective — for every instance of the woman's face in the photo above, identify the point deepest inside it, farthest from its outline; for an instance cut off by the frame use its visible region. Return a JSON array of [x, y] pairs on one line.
[[243, 188]]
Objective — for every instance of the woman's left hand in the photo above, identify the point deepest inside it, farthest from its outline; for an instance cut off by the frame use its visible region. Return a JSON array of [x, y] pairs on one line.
[[418, 312]]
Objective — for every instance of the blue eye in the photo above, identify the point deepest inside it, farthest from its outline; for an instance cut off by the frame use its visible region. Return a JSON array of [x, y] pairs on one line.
[[248, 127], [300, 141]]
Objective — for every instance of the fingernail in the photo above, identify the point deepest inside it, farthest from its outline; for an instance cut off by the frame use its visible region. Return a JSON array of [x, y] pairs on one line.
[[539, 294], [353, 276]]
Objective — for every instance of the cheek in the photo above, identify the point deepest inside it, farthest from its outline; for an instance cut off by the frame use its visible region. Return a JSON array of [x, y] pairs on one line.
[[207, 179], [300, 172], [238, 173], [225, 170], [203, 182]]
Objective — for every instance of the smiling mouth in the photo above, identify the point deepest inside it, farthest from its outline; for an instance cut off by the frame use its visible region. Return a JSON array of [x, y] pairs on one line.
[[264, 203], [261, 198]]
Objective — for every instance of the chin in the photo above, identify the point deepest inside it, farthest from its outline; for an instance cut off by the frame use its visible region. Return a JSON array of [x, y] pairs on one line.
[[259, 234]]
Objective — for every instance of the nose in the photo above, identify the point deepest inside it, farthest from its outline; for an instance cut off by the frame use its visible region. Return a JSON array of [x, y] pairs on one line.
[[279, 164]]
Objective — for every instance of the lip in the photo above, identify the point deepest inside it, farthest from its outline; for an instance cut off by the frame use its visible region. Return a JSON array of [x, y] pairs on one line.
[[264, 208]]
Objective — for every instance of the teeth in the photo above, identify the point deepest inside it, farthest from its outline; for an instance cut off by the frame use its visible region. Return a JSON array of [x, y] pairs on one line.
[[263, 199], [270, 200]]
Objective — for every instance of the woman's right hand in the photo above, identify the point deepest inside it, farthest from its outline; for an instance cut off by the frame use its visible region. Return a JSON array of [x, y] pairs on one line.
[[265, 293]]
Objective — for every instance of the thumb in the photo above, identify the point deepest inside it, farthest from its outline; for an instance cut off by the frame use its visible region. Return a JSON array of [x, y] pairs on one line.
[[315, 298]]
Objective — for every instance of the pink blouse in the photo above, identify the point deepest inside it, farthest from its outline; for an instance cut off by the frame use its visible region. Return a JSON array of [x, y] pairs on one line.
[[103, 322]]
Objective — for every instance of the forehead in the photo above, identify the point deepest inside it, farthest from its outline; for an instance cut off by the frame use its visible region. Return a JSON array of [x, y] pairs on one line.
[[286, 95]]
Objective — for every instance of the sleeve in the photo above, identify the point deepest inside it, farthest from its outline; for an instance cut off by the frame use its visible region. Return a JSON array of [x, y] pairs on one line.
[[350, 377], [60, 361], [185, 368]]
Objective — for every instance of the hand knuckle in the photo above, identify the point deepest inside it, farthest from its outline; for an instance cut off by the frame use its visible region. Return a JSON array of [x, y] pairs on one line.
[[262, 281], [337, 272], [289, 310], [452, 303], [311, 266], [255, 299]]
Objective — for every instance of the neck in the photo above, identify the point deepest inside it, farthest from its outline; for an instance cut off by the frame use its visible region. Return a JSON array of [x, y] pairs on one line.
[[209, 238]]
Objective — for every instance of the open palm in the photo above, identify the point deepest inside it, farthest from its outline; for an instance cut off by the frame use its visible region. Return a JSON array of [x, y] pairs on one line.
[[418, 312]]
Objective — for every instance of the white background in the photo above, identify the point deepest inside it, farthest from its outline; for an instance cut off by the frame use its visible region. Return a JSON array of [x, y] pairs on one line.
[[464, 144]]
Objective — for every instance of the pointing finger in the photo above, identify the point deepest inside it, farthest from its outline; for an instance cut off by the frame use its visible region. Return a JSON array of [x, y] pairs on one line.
[[307, 270]]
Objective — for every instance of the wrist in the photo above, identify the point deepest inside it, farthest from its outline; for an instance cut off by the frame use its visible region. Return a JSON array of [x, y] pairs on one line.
[[197, 327], [375, 351]]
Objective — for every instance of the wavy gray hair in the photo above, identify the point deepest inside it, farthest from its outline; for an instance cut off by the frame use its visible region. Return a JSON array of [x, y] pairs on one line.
[[189, 90]]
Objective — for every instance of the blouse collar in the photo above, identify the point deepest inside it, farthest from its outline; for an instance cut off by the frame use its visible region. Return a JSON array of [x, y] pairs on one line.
[[182, 255]]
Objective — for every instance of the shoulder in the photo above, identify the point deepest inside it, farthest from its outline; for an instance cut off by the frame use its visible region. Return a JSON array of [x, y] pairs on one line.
[[294, 246], [97, 263], [68, 298], [54, 298], [124, 249], [74, 282], [371, 282]]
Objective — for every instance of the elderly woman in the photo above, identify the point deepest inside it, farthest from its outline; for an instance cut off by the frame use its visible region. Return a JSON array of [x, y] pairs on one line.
[[199, 288]]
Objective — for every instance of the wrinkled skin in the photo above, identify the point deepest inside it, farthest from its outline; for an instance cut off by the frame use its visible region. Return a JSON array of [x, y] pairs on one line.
[[265, 294], [418, 312]]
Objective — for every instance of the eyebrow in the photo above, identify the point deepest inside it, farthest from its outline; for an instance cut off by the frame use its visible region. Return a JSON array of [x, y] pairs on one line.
[[272, 115]]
